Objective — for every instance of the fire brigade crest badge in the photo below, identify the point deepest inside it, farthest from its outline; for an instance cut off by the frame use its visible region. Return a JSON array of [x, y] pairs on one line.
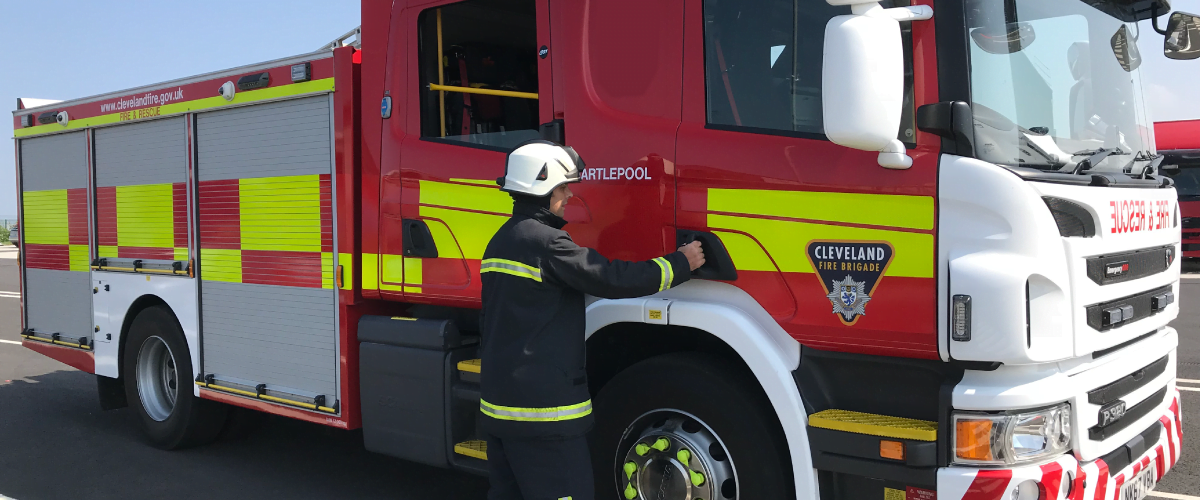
[[849, 272]]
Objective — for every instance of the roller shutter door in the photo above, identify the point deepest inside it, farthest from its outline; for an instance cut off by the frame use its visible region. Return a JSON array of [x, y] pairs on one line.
[[266, 259], [55, 236], [141, 194]]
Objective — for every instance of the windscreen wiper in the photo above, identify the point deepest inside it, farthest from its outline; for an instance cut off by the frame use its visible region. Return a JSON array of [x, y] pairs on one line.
[[1151, 167], [1095, 157]]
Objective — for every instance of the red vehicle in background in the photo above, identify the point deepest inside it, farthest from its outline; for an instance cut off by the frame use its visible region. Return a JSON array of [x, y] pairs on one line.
[[1180, 142]]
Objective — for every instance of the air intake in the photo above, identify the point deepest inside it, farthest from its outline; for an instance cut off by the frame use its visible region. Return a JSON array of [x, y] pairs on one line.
[[1073, 220]]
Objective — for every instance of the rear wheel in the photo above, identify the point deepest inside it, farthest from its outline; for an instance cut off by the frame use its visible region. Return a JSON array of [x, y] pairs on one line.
[[687, 426], [158, 373]]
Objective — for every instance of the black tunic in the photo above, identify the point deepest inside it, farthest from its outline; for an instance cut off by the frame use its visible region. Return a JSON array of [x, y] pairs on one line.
[[534, 382]]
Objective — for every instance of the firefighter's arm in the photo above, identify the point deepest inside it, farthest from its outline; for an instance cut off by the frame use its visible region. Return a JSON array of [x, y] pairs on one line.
[[584, 269]]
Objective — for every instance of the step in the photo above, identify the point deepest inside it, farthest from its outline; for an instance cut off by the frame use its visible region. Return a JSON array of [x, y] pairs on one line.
[[874, 425], [469, 366], [474, 448]]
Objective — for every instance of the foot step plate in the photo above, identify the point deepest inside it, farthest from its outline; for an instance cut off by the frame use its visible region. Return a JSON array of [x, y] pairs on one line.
[[474, 449], [874, 425]]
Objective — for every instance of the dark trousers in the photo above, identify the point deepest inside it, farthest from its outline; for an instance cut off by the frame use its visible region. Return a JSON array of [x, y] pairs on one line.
[[548, 469]]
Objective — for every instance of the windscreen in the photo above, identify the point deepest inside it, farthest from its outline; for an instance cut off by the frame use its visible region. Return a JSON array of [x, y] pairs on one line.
[[1056, 85]]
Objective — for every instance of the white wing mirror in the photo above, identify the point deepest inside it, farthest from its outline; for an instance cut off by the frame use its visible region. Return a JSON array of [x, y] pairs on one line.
[[862, 83]]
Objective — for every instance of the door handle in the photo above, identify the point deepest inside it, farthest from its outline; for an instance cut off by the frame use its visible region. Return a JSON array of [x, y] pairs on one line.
[[418, 241], [718, 265]]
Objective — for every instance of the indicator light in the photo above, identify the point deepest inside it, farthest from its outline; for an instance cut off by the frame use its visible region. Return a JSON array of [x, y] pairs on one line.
[[891, 449], [960, 318]]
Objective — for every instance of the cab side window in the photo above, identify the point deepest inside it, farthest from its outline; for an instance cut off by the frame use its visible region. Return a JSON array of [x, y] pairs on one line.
[[763, 65], [478, 73]]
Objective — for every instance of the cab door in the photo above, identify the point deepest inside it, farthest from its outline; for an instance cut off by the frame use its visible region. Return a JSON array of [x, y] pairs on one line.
[[477, 85], [837, 249]]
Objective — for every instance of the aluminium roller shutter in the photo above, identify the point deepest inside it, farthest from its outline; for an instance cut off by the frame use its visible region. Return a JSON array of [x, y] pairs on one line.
[[141, 192], [55, 235], [266, 256]]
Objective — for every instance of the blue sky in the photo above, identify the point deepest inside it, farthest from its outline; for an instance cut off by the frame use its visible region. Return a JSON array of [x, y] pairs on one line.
[[67, 49]]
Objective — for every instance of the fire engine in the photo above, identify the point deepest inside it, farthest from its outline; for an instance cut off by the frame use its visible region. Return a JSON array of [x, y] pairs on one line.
[[941, 258], [1180, 142]]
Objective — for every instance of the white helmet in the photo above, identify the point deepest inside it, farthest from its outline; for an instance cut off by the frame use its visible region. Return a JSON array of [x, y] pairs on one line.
[[537, 167]]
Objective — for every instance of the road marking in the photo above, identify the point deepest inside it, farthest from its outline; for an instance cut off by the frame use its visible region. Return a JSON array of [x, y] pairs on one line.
[[1173, 496], [1187, 381], [1193, 389], [1190, 277], [10, 342]]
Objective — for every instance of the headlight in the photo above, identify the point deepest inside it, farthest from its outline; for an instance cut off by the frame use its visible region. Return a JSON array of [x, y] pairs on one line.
[[1006, 439]]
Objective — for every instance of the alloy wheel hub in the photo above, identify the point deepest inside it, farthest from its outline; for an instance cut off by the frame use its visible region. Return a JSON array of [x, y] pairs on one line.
[[673, 456]]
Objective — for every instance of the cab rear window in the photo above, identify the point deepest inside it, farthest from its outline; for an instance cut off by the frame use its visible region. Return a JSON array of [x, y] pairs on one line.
[[478, 73]]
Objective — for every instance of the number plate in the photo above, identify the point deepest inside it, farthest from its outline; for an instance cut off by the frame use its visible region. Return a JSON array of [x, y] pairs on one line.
[[1141, 484]]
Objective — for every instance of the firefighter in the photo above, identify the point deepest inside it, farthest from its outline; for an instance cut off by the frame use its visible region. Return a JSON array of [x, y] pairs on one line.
[[535, 403]]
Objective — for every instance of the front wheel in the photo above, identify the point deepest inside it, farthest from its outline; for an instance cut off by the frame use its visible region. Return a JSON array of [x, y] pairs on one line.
[[687, 426], [157, 370]]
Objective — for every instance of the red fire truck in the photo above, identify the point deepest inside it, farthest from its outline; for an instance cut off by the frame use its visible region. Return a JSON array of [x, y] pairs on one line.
[[941, 259], [1180, 141]]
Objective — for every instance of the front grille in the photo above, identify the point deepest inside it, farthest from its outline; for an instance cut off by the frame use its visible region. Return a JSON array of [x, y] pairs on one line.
[[1121, 267], [1127, 384], [1131, 415], [1131, 308]]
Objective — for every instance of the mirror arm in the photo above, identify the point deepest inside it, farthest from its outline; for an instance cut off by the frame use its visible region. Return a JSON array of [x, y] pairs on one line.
[[1154, 20], [873, 9]]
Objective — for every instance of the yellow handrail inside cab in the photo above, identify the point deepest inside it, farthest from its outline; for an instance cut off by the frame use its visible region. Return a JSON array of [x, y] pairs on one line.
[[469, 90]]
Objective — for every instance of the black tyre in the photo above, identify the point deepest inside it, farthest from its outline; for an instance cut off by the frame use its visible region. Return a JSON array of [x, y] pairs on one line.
[[158, 384], [687, 425]]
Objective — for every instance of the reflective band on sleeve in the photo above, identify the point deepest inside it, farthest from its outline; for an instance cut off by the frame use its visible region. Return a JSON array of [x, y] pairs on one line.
[[668, 273], [552, 414], [510, 267]]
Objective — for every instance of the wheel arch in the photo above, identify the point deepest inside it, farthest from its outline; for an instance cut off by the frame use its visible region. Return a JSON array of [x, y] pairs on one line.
[[709, 317], [140, 304]]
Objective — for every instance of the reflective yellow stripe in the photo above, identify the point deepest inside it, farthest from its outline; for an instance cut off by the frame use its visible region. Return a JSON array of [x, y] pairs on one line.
[[471, 230], [551, 414], [281, 213], [786, 242], [181, 254], [910, 212], [221, 265], [327, 270], [45, 214], [413, 274], [664, 266], [474, 197], [447, 247], [510, 267], [747, 254], [295, 89], [79, 258], [370, 271], [145, 216]]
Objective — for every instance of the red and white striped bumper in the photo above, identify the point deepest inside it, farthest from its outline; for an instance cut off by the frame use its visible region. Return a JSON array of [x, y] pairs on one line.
[[1091, 480]]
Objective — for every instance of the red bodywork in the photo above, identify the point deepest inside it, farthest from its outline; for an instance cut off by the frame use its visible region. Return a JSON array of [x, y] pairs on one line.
[[1183, 136], [627, 102], [624, 107]]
